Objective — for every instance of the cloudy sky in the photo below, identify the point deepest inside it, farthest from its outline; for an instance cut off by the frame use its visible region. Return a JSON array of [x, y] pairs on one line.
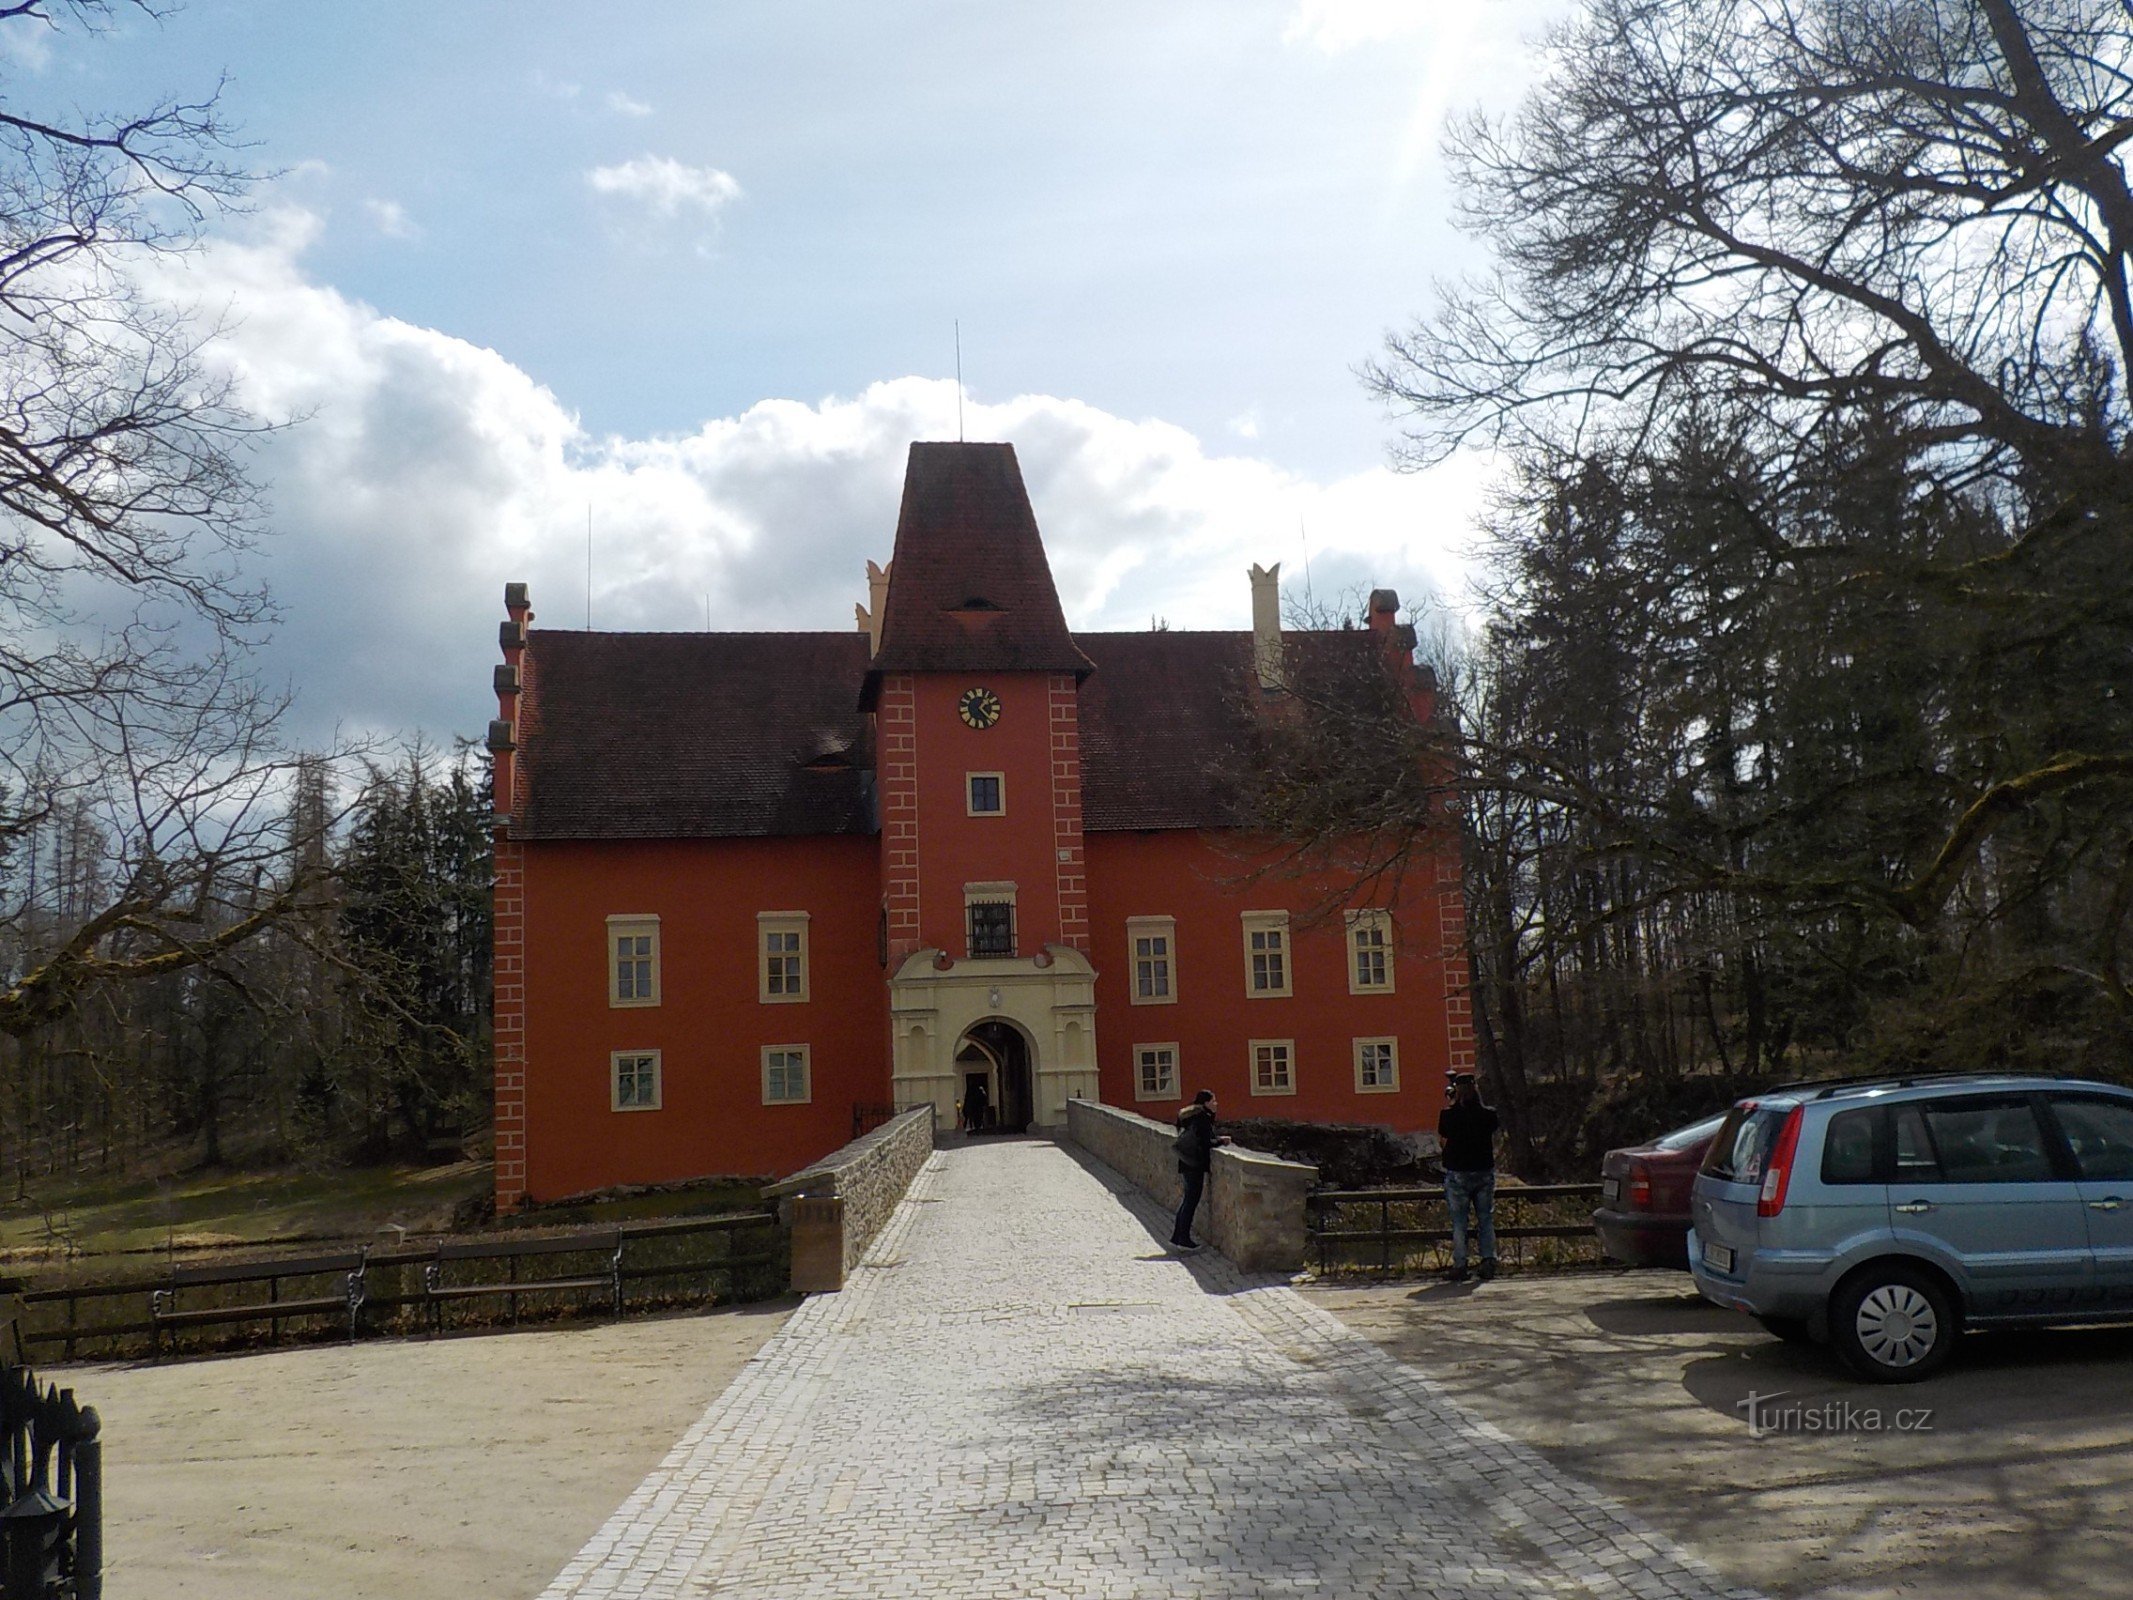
[[696, 269]]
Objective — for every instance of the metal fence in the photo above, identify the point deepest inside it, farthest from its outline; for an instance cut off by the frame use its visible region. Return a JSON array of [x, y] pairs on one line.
[[1406, 1230], [52, 1473]]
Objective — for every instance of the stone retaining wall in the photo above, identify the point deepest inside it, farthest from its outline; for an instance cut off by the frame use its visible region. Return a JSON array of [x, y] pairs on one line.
[[1254, 1208], [853, 1191]]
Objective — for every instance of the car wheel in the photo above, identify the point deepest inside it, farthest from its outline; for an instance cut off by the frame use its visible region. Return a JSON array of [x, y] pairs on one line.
[[1893, 1324], [1793, 1330]]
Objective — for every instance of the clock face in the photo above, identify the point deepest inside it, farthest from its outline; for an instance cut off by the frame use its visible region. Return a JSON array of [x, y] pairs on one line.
[[980, 708]]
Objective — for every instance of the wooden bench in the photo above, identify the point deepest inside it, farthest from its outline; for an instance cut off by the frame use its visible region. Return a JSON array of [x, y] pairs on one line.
[[514, 1251], [345, 1299]]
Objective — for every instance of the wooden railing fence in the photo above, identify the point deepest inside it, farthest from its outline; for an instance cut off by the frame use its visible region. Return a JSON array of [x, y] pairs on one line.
[[1403, 1230], [667, 1262]]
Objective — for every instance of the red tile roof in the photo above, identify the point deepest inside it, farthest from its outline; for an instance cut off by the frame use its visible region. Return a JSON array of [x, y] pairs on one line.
[[969, 586], [737, 735], [696, 735]]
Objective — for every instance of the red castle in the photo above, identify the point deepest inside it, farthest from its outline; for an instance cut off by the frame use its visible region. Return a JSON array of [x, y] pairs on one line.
[[752, 888]]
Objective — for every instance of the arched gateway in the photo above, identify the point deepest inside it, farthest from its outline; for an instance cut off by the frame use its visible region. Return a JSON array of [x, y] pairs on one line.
[[1032, 1021]]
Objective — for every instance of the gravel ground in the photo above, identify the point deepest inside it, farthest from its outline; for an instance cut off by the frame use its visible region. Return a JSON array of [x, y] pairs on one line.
[[2016, 1482], [410, 1469]]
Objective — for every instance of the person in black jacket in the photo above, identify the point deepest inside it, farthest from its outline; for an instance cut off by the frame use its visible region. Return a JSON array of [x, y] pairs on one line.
[[1196, 1153], [1467, 1129]]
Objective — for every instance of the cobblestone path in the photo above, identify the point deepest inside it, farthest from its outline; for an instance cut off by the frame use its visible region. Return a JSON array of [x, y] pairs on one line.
[[1020, 1395]]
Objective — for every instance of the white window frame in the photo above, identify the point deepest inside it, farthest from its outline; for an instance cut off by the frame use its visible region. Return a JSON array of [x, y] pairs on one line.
[[991, 894], [1251, 1065], [631, 926], [1360, 923], [1141, 1091], [970, 800], [1276, 922], [614, 1080], [1165, 929], [766, 924], [807, 1068], [1392, 1047]]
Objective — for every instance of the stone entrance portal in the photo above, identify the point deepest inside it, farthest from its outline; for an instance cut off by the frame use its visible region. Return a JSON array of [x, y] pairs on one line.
[[1028, 1023]]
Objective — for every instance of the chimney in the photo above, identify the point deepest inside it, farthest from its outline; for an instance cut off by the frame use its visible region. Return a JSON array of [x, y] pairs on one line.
[[1266, 628], [877, 604], [1384, 606]]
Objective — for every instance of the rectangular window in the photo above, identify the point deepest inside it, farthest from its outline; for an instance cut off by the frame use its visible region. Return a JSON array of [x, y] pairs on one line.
[[1377, 1066], [633, 961], [1273, 1066], [1983, 1140], [635, 1080], [992, 928], [1266, 954], [1369, 952], [785, 1075], [988, 794], [782, 959], [1150, 941], [1155, 1072]]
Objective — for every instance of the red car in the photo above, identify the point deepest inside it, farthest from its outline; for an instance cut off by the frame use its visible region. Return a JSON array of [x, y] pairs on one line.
[[1644, 1196]]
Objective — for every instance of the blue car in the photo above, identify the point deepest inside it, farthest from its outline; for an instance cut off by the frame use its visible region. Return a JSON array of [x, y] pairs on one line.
[[1884, 1216]]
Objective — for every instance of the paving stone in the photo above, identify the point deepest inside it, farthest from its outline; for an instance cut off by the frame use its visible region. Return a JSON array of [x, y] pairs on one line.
[[1019, 1394]]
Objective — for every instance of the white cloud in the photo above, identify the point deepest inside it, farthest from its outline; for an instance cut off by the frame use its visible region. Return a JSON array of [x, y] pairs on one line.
[[667, 186], [391, 219], [427, 472], [626, 105]]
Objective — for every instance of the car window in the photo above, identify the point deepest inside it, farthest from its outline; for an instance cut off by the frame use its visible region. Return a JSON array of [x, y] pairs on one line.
[[1988, 1141], [1915, 1160], [1848, 1148], [2101, 1132], [1743, 1143], [1691, 1136]]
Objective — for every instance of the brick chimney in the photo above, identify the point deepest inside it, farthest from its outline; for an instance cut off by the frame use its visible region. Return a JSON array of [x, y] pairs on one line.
[[1384, 606], [1266, 628]]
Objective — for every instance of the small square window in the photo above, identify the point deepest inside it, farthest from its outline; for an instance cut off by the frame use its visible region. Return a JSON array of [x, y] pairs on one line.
[[1377, 1066], [633, 961], [1155, 1072], [635, 1080], [785, 1075], [988, 794], [1273, 1066], [1369, 952], [992, 928], [1150, 942]]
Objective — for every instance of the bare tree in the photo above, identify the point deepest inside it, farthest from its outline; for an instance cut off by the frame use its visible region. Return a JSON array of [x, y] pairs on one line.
[[1870, 247], [125, 512]]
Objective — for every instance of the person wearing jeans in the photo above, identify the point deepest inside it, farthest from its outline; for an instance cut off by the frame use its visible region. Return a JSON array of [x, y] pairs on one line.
[[1467, 1130]]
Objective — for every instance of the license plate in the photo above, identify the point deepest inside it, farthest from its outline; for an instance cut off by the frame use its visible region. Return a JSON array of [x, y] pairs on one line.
[[1610, 1188], [1718, 1257]]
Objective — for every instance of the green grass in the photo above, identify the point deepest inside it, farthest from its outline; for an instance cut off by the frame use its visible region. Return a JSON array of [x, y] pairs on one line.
[[235, 1208]]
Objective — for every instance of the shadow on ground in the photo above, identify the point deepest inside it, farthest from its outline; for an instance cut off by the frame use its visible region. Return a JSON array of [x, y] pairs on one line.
[[2011, 1476]]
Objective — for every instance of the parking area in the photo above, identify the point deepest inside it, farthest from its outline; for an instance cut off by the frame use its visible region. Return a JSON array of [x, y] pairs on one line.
[[2009, 1474]]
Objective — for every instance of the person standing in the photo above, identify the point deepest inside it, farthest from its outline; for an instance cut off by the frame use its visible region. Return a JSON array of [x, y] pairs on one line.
[[1467, 1130], [1195, 1146]]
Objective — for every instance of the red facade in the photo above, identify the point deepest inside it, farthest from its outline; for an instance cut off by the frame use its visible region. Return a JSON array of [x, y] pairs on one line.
[[752, 886]]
